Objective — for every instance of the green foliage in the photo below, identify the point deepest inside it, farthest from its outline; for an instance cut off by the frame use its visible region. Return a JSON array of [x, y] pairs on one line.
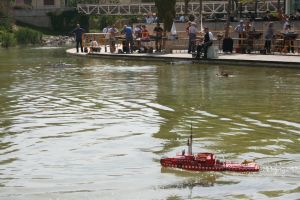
[[7, 39], [166, 12], [28, 36], [106, 20], [6, 23], [65, 21]]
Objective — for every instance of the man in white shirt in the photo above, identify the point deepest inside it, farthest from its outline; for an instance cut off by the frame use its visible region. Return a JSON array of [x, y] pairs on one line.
[[240, 29], [192, 30], [105, 30]]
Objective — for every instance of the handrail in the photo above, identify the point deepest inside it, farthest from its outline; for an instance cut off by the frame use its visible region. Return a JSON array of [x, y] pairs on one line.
[[209, 8]]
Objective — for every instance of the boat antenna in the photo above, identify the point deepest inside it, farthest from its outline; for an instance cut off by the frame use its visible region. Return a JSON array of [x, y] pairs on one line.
[[190, 141]]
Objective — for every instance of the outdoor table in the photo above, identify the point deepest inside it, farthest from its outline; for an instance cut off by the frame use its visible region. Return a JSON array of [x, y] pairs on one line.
[[289, 41], [252, 41]]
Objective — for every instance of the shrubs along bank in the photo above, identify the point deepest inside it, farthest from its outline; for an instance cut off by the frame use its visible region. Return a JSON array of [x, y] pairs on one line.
[[20, 36], [62, 23]]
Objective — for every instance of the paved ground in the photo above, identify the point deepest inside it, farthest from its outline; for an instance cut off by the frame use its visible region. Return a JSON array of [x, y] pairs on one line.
[[275, 60]]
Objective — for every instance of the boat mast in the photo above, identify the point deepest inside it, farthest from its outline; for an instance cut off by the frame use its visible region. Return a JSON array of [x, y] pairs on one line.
[[190, 141]]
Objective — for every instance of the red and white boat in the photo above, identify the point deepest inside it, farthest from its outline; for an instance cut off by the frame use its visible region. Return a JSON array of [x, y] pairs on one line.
[[206, 162]]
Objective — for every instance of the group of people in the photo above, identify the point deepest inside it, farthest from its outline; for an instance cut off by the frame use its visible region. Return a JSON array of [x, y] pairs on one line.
[[139, 37], [134, 39], [198, 46], [245, 30], [150, 18]]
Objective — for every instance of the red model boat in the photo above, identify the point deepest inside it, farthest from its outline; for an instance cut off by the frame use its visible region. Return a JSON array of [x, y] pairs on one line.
[[206, 162]]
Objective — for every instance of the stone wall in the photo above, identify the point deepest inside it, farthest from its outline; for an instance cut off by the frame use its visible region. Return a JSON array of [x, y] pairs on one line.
[[36, 17]]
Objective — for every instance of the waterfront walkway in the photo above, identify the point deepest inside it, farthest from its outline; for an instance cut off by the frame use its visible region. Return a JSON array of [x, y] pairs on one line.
[[255, 60]]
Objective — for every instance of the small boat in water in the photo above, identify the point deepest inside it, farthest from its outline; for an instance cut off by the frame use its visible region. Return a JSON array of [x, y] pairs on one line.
[[206, 162]]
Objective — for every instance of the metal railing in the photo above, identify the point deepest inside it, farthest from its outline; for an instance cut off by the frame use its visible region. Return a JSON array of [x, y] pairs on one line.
[[280, 45], [135, 7]]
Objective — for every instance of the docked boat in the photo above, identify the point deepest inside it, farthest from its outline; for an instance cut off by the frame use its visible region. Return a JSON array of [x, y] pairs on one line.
[[206, 162]]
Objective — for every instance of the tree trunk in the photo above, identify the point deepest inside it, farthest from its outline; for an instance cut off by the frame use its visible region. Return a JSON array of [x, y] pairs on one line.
[[5, 8], [186, 7], [228, 19], [166, 12], [256, 4], [200, 8]]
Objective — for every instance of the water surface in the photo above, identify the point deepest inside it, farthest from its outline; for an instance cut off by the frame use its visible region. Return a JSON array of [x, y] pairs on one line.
[[74, 128]]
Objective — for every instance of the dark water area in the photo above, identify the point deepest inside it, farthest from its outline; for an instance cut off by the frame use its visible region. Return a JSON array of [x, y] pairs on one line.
[[84, 128]]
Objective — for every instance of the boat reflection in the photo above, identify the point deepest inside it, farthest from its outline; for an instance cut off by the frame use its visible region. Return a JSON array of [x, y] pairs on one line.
[[205, 179]]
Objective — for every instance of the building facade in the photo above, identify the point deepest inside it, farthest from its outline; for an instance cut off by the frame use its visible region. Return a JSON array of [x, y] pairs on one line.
[[291, 6], [42, 4]]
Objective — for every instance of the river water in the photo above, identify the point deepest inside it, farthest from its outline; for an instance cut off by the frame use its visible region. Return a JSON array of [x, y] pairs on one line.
[[96, 129]]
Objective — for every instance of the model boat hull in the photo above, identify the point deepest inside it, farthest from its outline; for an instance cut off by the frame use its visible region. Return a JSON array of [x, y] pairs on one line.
[[209, 163], [205, 162]]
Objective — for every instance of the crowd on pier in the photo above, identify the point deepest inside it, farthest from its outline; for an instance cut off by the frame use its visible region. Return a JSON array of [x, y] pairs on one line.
[[139, 39]]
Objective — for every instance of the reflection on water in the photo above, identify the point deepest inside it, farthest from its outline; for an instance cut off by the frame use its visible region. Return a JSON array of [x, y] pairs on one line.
[[74, 128]]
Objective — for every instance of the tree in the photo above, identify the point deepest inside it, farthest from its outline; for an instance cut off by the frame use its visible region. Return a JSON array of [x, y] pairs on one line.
[[186, 7], [6, 19], [5, 6], [166, 12]]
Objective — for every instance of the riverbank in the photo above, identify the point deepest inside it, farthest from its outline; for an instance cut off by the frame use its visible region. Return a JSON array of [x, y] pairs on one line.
[[255, 60], [50, 40]]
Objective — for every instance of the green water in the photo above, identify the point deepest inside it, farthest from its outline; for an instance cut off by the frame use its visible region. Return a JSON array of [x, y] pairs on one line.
[[96, 129]]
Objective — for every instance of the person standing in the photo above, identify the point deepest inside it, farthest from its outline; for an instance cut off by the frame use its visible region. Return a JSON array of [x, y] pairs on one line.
[[78, 31], [137, 34], [127, 30], [145, 39], [268, 37], [158, 30], [192, 37], [112, 38], [207, 42], [106, 36], [240, 29]]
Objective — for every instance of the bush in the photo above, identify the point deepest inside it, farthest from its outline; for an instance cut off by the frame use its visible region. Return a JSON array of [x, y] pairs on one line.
[[66, 21], [7, 39], [6, 23], [28, 36]]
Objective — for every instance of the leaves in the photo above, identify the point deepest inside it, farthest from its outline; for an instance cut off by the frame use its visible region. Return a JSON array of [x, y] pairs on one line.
[[166, 12]]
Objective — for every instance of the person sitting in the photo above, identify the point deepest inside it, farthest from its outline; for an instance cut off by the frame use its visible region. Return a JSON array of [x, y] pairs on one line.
[[267, 16], [286, 23], [149, 19], [182, 18], [207, 42], [94, 47], [297, 14], [280, 14]]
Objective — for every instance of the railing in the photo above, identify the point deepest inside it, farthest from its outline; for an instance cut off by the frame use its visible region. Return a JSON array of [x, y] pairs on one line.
[[280, 44], [210, 8]]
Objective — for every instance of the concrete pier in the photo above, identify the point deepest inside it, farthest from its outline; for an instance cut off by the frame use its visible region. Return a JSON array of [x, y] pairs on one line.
[[255, 60]]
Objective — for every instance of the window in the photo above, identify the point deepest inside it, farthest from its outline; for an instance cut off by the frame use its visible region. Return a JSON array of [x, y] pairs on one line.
[[49, 2], [28, 2]]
